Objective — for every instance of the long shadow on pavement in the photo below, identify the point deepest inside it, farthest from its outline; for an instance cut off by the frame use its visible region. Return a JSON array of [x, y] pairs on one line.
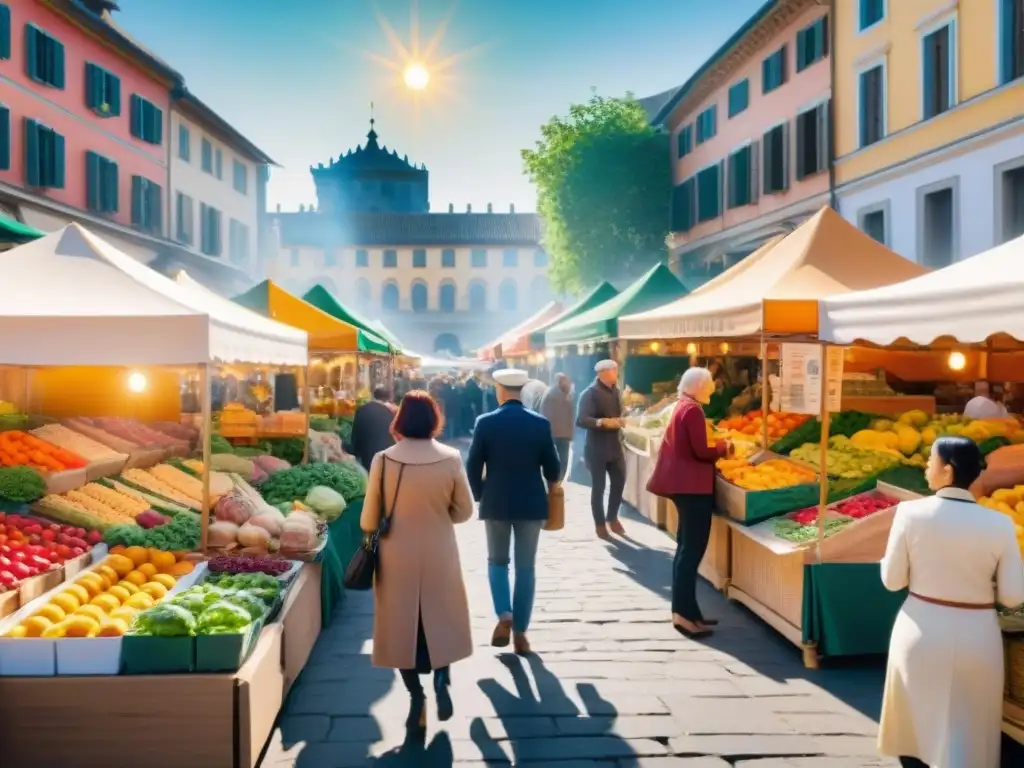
[[546, 726]]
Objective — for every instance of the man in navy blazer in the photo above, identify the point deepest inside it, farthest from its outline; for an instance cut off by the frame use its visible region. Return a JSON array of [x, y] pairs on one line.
[[510, 458]]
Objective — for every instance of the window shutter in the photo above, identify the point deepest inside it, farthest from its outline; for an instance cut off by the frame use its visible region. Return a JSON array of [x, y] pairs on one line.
[[801, 141], [786, 155], [5, 32], [136, 116], [754, 178], [928, 62], [90, 85], [31, 52], [113, 191], [824, 145], [93, 182], [113, 94], [58, 161], [156, 208], [57, 61], [766, 162], [137, 200], [5, 139], [158, 126], [1007, 40], [823, 40], [31, 153]]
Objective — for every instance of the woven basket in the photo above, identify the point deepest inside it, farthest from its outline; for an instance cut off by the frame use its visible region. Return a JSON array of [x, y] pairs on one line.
[[1014, 644]]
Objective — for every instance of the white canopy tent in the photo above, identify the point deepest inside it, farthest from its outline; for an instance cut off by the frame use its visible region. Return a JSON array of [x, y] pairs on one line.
[[968, 301], [74, 299]]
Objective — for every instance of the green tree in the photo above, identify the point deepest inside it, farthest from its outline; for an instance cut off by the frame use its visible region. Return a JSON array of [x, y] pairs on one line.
[[603, 178]]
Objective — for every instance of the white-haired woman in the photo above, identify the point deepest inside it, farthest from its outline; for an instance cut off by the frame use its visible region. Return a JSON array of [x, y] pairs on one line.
[[685, 473]]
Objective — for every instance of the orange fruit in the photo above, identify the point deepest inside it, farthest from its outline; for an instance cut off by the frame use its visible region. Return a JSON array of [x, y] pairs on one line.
[[120, 593], [140, 601], [184, 568], [36, 625], [106, 602], [53, 612], [116, 549], [120, 565], [91, 582], [163, 561], [111, 575], [124, 613], [154, 589], [57, 630], [81, 625], [113, 628], [17, 632], [165, 579], [80, 593], [92, 611], [148, 569], [137, 555], [138, 578]]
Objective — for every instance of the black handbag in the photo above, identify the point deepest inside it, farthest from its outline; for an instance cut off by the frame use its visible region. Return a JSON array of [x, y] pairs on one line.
[[364, 564]]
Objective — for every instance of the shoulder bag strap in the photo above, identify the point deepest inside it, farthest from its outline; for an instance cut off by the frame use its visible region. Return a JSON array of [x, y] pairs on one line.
[[385, 518]]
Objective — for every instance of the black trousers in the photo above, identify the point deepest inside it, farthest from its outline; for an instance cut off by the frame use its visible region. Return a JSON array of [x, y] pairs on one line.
[[691, 544], [411, 677], [912, 762], [615, 471]]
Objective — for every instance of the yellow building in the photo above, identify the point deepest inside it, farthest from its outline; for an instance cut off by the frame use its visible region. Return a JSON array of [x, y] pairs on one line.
[[929, 129]]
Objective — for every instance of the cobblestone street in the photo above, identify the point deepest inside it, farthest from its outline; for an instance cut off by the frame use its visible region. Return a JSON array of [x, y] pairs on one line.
[[610, 684]]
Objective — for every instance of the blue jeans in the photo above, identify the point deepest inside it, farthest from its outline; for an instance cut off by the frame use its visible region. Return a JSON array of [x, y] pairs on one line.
[[501, 535]]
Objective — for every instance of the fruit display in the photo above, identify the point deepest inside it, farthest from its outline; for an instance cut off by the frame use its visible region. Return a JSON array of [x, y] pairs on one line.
[[802, 528], [29, 547], [93, 506], [1010, 502], [272, 566], [846, 460], [70, 440], [863, 505], [181, 534], [21, 449], [134, 432], [752, 424], [770, 474], [11, 417], [21, 484], [103, 601]]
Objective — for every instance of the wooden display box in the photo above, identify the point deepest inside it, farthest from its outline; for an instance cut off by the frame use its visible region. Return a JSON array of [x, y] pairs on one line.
[[750, 507], [202, 721], [300, 619]]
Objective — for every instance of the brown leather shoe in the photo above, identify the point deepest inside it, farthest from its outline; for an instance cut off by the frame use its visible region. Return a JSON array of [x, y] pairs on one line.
[[602, 532], [616, 527], [520, 644], [502, 633]]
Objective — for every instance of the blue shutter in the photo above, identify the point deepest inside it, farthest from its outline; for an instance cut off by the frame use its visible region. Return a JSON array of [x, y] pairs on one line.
[[862, 109], [928, 64], [93, 86], [5, 32], [111, 183], [1006, 40], [31, 52], [5, 139], [137, 200], [157, 135], [93, 182], [31, 153], [57, 62], [136, 116], [155, 213], [58, 175], [113, 94], [714, 121]]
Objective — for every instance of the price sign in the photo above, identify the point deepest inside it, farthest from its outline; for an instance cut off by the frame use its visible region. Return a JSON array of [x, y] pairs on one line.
[[801, 371]]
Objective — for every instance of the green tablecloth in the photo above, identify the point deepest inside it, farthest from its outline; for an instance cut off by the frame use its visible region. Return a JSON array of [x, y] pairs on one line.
[[847, 611], [344, 536]]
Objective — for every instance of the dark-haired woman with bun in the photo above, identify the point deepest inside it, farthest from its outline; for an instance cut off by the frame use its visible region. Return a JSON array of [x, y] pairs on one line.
[[421, 613], [943, 698]]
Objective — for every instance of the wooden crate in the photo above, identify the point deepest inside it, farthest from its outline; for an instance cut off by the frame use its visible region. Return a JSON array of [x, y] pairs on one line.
[[774, 581], [716, 566]]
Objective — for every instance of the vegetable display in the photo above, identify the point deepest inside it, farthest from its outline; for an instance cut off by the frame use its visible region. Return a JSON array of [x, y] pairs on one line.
[[19, 448], [21, 484], [225, 604], [248, 564], [326, 502], [29, 547], [89, 449], [147, 482], [791, 529], [845, 459], [180, 535], [297, 482]]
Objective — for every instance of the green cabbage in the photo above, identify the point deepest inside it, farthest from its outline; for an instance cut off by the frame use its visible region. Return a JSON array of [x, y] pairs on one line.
[[166, 620], [249, 602], [223, 618]]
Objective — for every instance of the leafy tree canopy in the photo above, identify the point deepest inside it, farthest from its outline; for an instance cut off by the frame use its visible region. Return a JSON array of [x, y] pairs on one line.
[[603, 180]]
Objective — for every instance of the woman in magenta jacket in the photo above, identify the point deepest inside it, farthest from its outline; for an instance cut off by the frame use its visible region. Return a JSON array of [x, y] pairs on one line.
[[685, 473]]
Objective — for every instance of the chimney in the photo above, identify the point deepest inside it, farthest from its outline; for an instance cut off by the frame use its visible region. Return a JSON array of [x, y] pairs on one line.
[[451, 207], [490, 208], [511, 207], [469, 208]]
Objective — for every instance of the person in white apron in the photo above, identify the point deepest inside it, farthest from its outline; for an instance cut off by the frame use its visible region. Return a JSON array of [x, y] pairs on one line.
[[943, 699]]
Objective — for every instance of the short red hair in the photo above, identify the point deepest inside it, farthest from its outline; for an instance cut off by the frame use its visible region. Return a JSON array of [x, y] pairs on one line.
[[418, 417]]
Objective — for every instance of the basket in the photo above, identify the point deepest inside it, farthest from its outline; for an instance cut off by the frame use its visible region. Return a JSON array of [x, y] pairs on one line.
[[1014, 644]]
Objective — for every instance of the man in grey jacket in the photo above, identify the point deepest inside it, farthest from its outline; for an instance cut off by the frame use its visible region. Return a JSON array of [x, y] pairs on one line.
[[557, 407], [600, 414]]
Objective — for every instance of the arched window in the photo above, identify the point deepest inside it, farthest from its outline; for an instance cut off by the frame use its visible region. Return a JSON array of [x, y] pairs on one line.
[[508, 298], [446, 296], [477, 296], [363, 294], [540, 291], [389, 297], [419, 296]]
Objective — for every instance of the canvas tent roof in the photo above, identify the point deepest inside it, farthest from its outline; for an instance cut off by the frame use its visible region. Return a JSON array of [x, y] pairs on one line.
[[323, 300], [326, 333], [776, 289], [525, 342], [491, 351], [601, 323], [969, 301], [74, 299]]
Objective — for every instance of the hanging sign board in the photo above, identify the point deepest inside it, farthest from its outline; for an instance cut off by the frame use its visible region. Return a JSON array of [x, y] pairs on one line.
[[801, 368]]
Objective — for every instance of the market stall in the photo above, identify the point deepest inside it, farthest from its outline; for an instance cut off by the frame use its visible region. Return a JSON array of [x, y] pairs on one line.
[[765, 307], [982, 340], [495, 350], [104, 602]]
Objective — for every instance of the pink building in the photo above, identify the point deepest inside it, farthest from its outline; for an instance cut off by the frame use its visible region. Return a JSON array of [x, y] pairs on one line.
[[750, 138], [85, 116]]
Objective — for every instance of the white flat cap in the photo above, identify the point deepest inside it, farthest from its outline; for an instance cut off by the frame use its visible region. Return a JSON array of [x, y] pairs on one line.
[[605, 365], [511, 377]]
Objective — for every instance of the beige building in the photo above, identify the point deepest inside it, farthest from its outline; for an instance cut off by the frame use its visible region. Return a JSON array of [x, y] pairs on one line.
[[440, 281]]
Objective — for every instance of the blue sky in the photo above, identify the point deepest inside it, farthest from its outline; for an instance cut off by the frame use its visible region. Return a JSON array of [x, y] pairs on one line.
[[297, 77]]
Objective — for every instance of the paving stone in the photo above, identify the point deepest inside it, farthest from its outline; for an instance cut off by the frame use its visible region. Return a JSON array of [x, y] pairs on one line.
[[672, 762]]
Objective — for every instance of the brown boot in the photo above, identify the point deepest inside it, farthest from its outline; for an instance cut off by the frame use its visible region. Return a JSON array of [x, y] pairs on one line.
[[616, 527], [520, 644], [502, 633], [602, 532]]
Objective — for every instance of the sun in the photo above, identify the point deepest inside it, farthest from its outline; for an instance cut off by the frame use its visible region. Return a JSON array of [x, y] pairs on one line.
[[416, 77]]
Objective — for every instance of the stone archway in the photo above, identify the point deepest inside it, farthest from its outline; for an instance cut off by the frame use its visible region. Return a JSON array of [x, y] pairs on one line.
[[448, 342]]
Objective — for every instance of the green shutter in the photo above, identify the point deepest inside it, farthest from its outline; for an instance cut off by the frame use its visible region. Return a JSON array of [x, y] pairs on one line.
[[110, 182], [58, 174], [136, 116], [5, 139], [32, 153], [32, 52], [158, 125], [154, 216], [90, 85], [93, 182], [113, 94], [137, 201], [5, 32], [57, 63]]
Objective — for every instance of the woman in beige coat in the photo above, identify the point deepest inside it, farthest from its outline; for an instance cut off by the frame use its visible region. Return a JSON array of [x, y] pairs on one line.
[[421, 613]]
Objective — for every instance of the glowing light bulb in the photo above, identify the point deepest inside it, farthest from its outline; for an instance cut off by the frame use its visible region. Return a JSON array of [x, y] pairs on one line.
[[957, 361], [136, 382]]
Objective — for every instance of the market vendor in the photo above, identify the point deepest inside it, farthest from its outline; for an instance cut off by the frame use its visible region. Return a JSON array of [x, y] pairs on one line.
[[982, 406]]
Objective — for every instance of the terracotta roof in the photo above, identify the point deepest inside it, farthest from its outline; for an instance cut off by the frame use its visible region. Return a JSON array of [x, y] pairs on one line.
[[410, 229]]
